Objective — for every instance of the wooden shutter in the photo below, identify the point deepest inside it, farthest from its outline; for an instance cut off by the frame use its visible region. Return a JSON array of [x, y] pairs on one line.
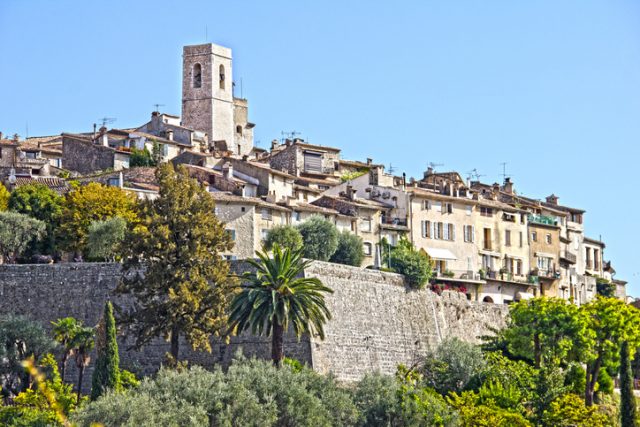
[[312, 161]]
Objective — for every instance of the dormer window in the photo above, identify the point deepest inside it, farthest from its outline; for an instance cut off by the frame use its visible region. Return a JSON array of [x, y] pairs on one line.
[[222, 76], [197, 76]]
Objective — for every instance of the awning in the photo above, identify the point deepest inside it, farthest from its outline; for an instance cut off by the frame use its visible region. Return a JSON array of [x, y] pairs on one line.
[[490, 253], [544, 255], [523, 296], [443, 254]]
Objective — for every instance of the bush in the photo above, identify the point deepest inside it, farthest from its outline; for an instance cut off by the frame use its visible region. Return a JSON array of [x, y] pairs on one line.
[[4, 198], [320, 238], [569, 410], [349, 251], [104, 237], [452, 366], [575, 379], [17, 231], [376, 396], [414, 265], [250, 393], [286, 236], [141, 158]]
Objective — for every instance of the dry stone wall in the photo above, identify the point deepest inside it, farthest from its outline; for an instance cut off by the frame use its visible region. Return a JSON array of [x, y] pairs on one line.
[[377, 322]]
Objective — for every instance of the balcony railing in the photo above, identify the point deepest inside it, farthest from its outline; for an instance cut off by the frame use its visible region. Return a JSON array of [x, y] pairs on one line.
[[542, 219], [390, 220], [457, 274], [570, 257]]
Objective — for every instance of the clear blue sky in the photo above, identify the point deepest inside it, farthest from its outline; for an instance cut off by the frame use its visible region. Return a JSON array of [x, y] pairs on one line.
[[551, 87]]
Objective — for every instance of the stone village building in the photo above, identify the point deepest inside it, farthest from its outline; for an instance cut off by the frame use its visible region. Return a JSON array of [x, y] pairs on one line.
[[495, 245]]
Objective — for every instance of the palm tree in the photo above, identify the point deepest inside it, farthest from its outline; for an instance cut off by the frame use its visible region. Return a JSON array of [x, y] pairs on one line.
[[83, 342], [275, 296], [63, 332]]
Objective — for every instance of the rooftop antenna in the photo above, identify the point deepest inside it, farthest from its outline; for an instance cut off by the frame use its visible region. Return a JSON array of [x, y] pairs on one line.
[[107, 120], [433, 165], [391, 168], [157, 107], [475, 174], [288, 135], [504, 172]]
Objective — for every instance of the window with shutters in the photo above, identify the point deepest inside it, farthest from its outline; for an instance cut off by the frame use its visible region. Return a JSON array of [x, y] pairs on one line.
[[487, 239], [507, 238], [266, 214], [521, 238], [449, 207], [426, 229], [312, 162], [469, 210], [365, 225], [469, 233], [446, 235], [534, 236], [486, 212], [367, 248], [548, 239], [426, 205], [452, 232]]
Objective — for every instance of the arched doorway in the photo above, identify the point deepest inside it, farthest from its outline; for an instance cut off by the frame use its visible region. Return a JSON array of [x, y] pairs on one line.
[[487, 299]]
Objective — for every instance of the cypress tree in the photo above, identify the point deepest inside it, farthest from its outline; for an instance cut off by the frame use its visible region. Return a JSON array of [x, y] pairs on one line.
[[107, 371], [627, 399]]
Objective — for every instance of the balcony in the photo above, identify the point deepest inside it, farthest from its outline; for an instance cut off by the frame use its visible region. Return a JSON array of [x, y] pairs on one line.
[[457, 275], [542, 219], [393, 221], [569, 257], [551, 273]]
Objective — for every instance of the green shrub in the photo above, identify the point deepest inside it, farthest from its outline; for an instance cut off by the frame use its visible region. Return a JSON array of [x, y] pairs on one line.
[[569, 411], [320, 238], [349, 251], [376, 397], [286, 236], [140, 158], [575, 379], [452, 366], [104, 238], [413, 264]]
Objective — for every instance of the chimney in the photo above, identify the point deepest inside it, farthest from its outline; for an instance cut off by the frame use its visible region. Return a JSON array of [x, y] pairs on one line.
[[428, 172], [508, 186], [287, 142], [170, 135], [95, 126], [227, 170], [351, 193], [16, 137], [552, 199], [274, 143], [104, 138], [369, 161]]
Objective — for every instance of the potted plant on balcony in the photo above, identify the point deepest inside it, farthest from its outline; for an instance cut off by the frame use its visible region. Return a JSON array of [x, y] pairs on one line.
[[448, 273], [483, 273]]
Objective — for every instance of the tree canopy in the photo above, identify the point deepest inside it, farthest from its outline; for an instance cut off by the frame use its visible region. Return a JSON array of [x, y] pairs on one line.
[[349, 250], [173, 267], [285, 236], [17, 231], [320, 238], [93, 202]]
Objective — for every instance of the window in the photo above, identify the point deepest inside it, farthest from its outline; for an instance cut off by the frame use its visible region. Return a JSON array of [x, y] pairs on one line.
[[266, 214], [534, 236], [447, 207], [230, 257], [521, 237], [312, 161], [239, 130], [507, 237], [197, 76], [588, 258], [31, 155], [242, 209], [446, 235], [596, 259], [231, 233], [487, 239], [519, 267], [365, 225], [426, 229], [548, 238], [441, 266], [469, 233], [486, 211], [367, 248], [469, 210], [296, 216], [222, 76], [438, 206], [113, 182], [264, 233], [426, 205], [544, 263], [439, 232]]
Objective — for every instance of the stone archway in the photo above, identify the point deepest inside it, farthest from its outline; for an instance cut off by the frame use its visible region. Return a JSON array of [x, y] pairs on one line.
[[487, 299]]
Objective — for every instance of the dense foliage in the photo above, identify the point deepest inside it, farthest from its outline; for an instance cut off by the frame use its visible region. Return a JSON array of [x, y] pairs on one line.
[[17, 231], [320, 238], [141, 158], [627, 399], [93, 202], [349, 250], [173, 267], [105, 237], [285, 236], [4, 198], [413, 264]]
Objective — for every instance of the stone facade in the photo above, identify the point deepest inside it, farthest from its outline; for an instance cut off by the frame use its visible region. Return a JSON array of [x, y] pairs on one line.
[[81, 155], [377, 322]]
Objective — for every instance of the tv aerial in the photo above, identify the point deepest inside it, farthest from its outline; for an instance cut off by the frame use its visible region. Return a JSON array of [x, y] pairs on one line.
[[157, 107], [289, 135], [475, 174], [107, 121], [391, 168]]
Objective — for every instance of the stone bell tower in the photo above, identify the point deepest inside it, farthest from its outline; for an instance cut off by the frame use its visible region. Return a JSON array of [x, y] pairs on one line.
[[207, 93]]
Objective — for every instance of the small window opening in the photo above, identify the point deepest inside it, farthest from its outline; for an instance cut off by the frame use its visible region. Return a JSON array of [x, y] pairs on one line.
[[197, 76], [222, 76]]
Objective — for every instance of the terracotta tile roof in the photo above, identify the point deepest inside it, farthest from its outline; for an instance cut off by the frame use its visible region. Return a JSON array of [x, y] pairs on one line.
[[226, 197], [306, 207], [59, 185]]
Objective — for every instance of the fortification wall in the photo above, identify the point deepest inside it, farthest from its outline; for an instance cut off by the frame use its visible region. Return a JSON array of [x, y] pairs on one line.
[[377, 322]]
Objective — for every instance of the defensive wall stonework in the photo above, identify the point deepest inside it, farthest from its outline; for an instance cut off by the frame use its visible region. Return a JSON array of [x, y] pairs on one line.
[[377, 322]]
